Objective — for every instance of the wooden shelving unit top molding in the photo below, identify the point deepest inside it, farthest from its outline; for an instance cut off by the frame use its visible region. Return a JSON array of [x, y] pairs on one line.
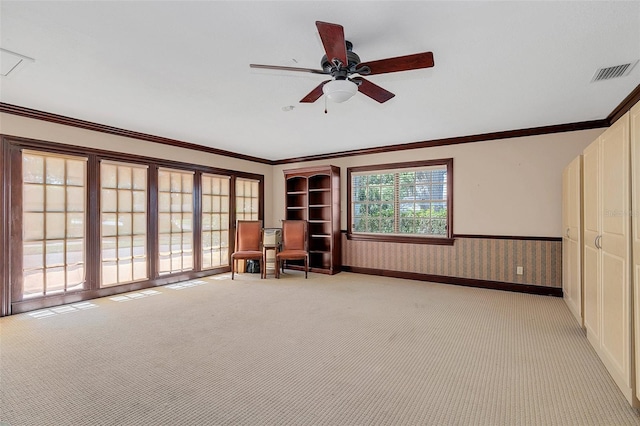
[[310, 171]]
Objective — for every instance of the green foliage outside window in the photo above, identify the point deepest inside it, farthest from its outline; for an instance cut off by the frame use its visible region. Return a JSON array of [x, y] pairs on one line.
[[417, 207]]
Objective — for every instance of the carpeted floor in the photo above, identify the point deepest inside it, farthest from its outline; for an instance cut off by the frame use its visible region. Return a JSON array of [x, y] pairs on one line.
[[347, 349]]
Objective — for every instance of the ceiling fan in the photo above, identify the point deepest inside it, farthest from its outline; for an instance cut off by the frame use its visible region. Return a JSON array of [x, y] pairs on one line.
[[341, 63]]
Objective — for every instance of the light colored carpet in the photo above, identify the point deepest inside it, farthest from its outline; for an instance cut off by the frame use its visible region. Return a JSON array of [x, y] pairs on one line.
[[347, 349]]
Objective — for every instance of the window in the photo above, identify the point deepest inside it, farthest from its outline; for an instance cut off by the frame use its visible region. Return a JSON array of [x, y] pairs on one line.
[[247, 197], [79, 223], [123, 217], [175, 221], [402, 202], [54, 214], [215, 221]]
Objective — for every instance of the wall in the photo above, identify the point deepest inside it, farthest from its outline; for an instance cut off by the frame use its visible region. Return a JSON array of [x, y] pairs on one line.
[[485, 259], [501, 187], [29, 128], [507, 187]]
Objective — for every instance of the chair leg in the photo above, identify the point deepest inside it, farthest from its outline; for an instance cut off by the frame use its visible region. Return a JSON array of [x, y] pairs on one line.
[[233, 269], [263, 268], [277, 268], [306, 266]]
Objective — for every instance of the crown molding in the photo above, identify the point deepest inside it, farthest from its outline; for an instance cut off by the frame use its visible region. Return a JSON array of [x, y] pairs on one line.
[[88, 125], [625, 105], [619, 111], [558, 128]]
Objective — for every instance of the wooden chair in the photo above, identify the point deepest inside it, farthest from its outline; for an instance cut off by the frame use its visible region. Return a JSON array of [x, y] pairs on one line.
[[248, 244], [294, 245]]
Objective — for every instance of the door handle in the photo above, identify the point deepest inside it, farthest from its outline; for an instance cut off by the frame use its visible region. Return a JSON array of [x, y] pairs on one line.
[[567, 233], [597, 242]]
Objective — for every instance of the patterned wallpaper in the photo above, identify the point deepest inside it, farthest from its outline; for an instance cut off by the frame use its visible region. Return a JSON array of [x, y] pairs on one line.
[[475, 258]]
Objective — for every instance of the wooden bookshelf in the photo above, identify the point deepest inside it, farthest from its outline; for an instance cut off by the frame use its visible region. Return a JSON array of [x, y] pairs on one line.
[[313, 194]]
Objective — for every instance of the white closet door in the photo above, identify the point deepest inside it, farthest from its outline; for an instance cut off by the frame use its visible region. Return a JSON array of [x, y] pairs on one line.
[[591, 255], [571, 241], [634, 122], [616, 302]]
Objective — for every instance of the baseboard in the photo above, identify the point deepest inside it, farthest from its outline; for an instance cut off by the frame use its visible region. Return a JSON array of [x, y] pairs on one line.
[[468, 282]]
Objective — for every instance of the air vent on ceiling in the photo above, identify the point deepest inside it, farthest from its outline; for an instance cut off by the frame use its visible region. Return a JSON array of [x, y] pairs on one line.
[[613, 72]]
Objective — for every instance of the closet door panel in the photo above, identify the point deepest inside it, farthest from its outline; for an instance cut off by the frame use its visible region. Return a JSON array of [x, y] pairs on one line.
[[634, 136], [591, 294], [615, 318], [575, 237], [615, 242], [565, 230], [571, 241], [591, 256], [574, 290]]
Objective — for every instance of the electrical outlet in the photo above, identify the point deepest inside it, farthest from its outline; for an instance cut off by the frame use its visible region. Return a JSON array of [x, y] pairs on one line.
[[519, 270]]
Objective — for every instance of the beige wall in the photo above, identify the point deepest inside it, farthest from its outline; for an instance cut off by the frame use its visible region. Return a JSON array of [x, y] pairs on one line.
[[25, 127], [501, 187]]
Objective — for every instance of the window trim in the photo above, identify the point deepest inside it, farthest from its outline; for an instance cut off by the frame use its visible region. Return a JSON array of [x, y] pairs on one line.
[[412, 239]]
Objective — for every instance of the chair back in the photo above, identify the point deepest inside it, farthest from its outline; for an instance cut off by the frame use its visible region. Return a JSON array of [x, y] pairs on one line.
[[249, 235], [294, 235]]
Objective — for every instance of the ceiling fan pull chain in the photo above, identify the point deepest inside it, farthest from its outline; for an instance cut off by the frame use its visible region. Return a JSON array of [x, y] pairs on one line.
[[325, 104]]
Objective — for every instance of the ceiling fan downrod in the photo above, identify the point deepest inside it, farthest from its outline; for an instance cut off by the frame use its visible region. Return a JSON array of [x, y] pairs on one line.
[[353, 60]]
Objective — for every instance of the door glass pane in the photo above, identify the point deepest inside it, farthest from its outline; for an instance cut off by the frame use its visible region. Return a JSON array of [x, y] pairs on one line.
[[127, 195], [55, 173], [75, 225], [124, 177], [108, 175], [247, 199], [55, 225], [109, 202], [75, 173], [56, 200], [125, 202], [139, 178], [139, 201], [175, 227], [33, 226], [33, 198], [212, 220], [53, 221], [75, 199], [32, 168]]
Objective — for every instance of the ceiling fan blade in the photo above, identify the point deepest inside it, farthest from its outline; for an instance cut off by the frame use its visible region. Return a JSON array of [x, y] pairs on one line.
[[277, 67], [332, 36], [373, 91], [400, 63], [315, 94]]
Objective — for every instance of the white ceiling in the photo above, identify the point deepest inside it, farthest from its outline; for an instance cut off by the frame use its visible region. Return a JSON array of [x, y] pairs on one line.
[[180, 69]]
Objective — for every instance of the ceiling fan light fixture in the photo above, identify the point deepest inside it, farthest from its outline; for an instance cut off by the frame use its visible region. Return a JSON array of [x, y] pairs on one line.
[[340, 90]]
